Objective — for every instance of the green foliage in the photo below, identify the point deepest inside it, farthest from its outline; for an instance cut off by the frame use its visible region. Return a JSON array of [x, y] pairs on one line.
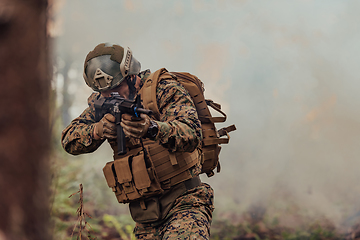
[[125, 230]]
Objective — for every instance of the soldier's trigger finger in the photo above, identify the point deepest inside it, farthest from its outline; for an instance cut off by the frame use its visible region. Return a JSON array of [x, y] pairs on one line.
[[109, 117]]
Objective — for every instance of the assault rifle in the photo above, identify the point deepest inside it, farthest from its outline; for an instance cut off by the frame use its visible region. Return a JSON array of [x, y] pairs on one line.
[[117, 105]]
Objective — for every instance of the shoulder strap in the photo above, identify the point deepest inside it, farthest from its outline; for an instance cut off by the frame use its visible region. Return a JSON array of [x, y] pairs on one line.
[[148, 91]]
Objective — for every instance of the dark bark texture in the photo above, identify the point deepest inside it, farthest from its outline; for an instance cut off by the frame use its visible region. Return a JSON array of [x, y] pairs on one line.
[[24, 127]]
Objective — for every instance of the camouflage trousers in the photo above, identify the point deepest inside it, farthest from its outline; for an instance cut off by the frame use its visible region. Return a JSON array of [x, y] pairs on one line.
[[190, 218]]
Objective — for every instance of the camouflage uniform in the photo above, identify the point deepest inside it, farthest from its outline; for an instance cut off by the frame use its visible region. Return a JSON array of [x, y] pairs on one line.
[[179, 130], [189, 218]]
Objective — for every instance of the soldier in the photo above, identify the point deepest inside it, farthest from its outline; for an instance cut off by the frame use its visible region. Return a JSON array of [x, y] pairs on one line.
[[167, 200]]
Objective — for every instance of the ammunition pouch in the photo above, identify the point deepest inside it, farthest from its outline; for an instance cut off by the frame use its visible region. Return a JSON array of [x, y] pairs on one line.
[[132, 177], [143, 173], [146, 210]]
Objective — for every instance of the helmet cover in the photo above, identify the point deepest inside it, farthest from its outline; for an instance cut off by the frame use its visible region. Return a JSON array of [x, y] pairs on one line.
[[107, 66]]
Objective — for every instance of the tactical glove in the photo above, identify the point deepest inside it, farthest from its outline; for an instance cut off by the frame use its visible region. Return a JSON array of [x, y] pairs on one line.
[[106, 127], [135, 127]]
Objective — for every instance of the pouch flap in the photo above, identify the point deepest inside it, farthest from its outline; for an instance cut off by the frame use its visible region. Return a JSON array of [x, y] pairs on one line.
[[152, 212], [122, 170], [109, 174], [140, 173]]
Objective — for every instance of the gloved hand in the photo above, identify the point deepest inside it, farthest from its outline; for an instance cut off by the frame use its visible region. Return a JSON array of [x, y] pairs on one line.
[[135, 127], [105, 128]]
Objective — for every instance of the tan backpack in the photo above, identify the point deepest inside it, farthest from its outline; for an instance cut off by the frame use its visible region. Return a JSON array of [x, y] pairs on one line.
[[212, 138]]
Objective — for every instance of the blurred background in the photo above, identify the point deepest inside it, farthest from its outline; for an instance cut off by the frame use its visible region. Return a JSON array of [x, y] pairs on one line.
[[285, 72]]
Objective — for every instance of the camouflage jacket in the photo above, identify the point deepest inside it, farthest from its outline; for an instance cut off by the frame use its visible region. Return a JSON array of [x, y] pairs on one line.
[[179, 126]]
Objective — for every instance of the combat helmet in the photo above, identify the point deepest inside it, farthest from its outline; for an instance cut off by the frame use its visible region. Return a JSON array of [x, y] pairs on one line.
[[108, 65]]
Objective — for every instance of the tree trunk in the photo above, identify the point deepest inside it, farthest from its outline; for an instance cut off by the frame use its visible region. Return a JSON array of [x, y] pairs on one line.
[[67, 97], [24, 127]]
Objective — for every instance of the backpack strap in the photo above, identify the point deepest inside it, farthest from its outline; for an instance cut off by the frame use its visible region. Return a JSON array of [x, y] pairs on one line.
[[216, 107], [211, 140], [215, 141], [225, 130], [148, 91]]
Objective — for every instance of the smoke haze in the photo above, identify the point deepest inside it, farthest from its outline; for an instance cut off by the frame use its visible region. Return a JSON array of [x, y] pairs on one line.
[[285, 72]]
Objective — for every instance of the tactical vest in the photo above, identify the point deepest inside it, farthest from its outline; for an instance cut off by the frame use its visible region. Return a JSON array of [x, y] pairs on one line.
[[149, 171]]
